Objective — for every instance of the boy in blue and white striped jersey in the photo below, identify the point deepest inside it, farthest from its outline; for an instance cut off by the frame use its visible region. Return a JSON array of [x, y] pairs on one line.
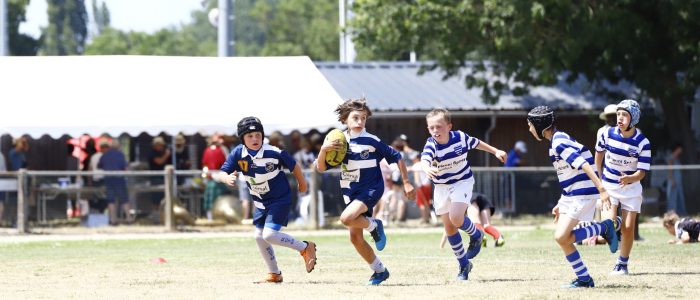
[[262, 166], [362, 182], [581, 187], [626, 153], [444, 159]]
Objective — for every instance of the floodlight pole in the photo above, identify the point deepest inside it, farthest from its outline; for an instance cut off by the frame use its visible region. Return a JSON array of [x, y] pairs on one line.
[[225, 28], [4, 34]]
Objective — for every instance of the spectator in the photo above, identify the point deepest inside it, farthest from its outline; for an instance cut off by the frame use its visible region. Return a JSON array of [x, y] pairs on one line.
[[157, 159], [114, 160], [18, 154], [212, 159], [276, 139], [98, 180], [515, 158], [305, 159], [182, 157], [674, 183], [72, 164]]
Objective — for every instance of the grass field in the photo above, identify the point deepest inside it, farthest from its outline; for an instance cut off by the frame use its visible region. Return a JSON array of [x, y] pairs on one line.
[[224, 266]]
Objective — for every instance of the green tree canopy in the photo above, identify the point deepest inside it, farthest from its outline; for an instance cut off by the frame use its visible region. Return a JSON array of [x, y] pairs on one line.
[[66, 31], [20, 44], [651, 43], [261, 28]]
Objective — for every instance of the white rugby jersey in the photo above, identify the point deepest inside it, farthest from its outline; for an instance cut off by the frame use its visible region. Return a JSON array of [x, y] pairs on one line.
[[568, 157], [451, 158], [622, 155]]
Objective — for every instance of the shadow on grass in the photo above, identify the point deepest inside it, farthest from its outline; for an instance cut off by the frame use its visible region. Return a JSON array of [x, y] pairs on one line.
[[622, 286], [664, 273]]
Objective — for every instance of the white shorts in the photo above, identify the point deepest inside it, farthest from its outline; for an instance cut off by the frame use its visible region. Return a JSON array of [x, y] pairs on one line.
[[581, 209], [628, 197], [445, 194]]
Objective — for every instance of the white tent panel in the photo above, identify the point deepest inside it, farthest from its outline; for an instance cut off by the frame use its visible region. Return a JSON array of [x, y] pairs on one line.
[[132, 94]]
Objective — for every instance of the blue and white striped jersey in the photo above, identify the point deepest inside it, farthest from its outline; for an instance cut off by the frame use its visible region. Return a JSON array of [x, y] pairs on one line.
[[622, 155], [568, 157], [360, 168], [263, 171], [451, 158]]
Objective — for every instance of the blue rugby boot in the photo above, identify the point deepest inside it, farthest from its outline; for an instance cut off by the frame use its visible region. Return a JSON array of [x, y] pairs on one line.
[[610, 235], [474, 244], [578, 283], [379, 236], [378, 278], [464, 271], [619, 269]]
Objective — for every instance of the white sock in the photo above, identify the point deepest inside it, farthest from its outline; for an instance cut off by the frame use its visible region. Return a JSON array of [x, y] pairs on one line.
[[372, 224], [209, 216], [278, 238], [377, 265], [266, 251]]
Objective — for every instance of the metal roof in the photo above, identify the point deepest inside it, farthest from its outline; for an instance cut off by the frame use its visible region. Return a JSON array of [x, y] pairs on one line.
[[397, 87]]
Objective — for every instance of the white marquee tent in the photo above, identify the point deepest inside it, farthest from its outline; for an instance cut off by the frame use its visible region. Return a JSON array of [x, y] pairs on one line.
[[133, 94]]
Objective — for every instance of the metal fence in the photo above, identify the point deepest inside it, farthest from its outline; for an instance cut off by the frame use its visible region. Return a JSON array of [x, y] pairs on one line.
[[37, 198]]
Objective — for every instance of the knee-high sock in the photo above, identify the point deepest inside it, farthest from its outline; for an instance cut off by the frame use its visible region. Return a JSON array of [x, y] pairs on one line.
[[492, 231], [458, 248], [468, 227], [377, 265], [278, 238], [266, 251], [578, 266], [592, 230]]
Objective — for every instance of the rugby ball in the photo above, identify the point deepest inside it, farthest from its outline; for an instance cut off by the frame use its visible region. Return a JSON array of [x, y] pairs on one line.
[[335, 157]]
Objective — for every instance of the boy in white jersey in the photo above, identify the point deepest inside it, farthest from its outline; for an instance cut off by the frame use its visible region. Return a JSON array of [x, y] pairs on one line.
[[624, 156], [362, 182], [580, 190], [262, 164], [444, 159]]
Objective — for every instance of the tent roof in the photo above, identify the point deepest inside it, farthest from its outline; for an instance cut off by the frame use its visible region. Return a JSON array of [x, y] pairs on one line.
[[133, 94]]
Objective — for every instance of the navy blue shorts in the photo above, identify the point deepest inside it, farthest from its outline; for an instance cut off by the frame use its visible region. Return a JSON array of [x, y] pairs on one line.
[[274, 215], [369, 197]]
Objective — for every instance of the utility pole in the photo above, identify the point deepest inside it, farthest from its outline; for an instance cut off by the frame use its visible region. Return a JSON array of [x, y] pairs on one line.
[[225, 26], [347, 47]]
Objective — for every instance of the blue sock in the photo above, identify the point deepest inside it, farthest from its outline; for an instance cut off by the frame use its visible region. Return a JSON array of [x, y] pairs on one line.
[[469, 227], [622, 261], [578, 266], [458, 248], [594, 229]]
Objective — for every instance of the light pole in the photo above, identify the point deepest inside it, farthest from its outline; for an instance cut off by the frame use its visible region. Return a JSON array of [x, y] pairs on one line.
[[225, 28]]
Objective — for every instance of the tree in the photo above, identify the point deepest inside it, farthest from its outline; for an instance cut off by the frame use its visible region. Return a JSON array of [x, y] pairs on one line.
[[651, 43], [20, 44], [66, 31], [261, 28]]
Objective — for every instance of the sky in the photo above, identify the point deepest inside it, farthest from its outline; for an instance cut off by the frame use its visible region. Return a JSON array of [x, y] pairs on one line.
[[137, 15]]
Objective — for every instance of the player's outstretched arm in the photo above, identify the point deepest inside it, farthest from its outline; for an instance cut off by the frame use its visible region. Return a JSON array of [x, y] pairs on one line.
[[604, 198], [498, 153]]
